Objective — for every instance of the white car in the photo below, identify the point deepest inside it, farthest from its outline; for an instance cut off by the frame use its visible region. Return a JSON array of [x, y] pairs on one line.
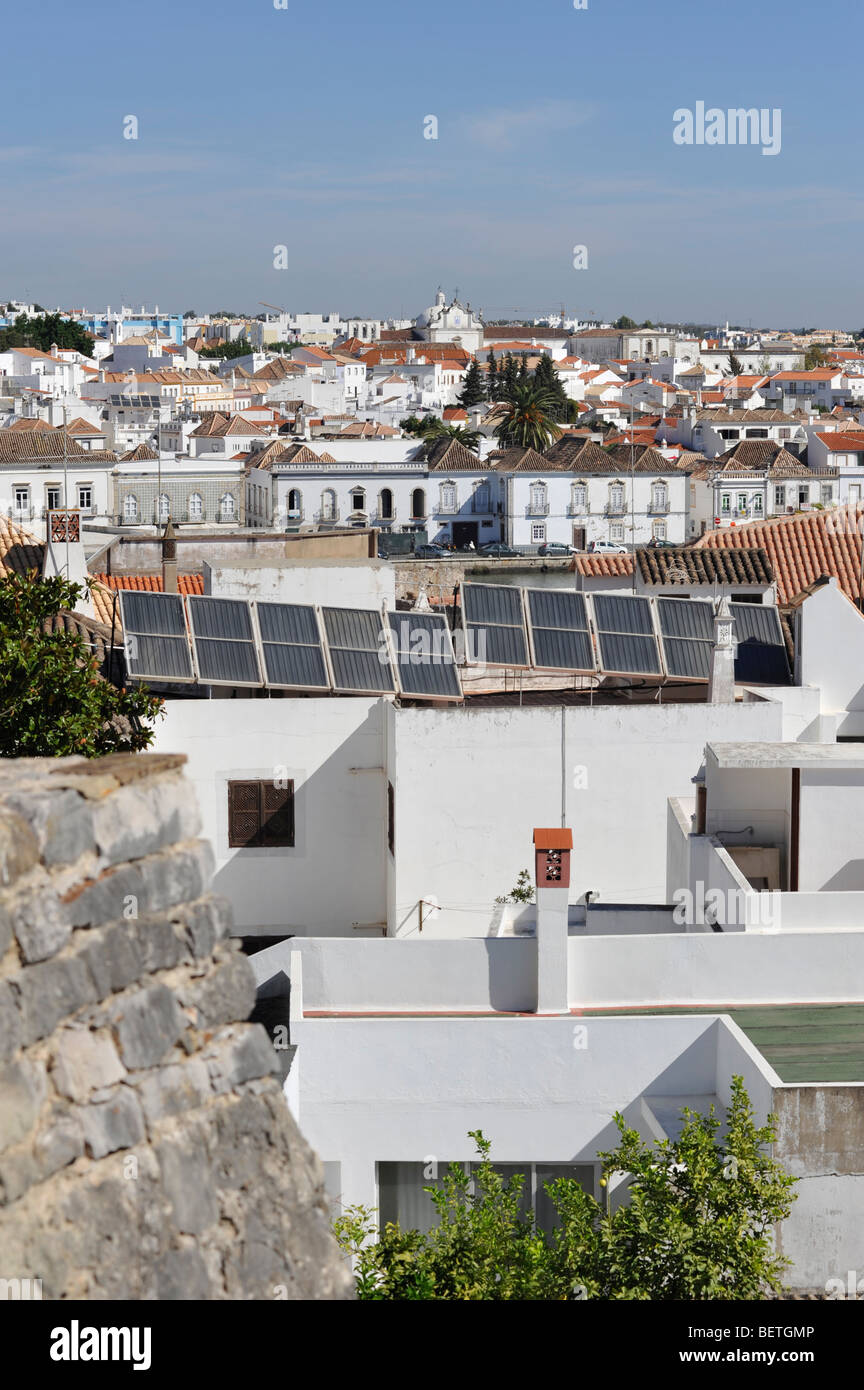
[[607, 548]]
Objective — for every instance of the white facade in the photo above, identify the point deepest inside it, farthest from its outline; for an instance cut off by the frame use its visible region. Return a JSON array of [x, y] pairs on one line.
[[624, 508]]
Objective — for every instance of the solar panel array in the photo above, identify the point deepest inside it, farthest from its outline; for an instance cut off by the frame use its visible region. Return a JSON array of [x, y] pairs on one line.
[[294, 646]]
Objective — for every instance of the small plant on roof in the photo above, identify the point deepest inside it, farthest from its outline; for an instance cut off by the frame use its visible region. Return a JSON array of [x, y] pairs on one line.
[[523, 891]]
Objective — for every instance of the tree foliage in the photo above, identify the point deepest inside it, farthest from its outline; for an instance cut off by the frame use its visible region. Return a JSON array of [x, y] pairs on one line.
[[473, 387], [529, 419], [698, 1225], [735, 367], [239, 348], [53, 702], [43, 331]]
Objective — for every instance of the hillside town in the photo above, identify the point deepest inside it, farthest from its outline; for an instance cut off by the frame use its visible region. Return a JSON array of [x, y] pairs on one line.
[[510, 685]]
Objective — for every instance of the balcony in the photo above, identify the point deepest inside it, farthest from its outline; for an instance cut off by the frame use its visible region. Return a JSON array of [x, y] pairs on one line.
[[326, 514], [658, 508], [537, 509], [615, 509], [577, 509], [481, 506], [447, 509]]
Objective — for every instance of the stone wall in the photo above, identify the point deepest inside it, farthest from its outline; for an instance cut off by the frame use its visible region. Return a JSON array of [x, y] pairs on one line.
[[146, 1150]]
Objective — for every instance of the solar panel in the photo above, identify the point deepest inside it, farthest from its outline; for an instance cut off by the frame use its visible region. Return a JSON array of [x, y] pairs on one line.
[[425, 663], [560, 635], [760, 654], [223, 639], [687, 635], [291, 644], [154, 637], [626, 638], [358, 651], [495, 625]]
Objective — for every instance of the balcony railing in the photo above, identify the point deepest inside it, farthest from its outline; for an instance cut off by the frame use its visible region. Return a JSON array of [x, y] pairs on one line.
[[327, 514], [577, 509], [481, 505], [658, 508], [537, 509], [615, 509], [447, 508]]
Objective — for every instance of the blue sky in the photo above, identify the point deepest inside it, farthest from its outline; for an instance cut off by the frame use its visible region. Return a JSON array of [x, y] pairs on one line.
[[304, 127]]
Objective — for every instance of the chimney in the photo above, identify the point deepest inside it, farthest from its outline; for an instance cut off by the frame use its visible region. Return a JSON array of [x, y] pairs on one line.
[[721, 682], [64, 554], [169, 559], [552, 875]]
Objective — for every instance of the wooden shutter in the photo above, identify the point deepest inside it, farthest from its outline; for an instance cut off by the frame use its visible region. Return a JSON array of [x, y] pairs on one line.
[[391, 818], [277, 814], [243, 814]]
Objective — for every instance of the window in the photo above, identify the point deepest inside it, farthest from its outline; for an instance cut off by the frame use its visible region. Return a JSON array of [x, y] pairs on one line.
[[130, 507], [579, 497], [260, 815], [22, 499], [742, 504], [196, 507], [401, 1197], [827, 494], [85, 497], [418, 504], [385, 504], [448, 497], [658, 530], [659, 497], [226, 507], [780, 496], [52, 498], [163, 507], [481, 498], [538, 532], [391, 818], [538, 497], [616, 497], [358, 499], [295, 502], [757, 504], [725, 503], [616, 534], [328, 504]]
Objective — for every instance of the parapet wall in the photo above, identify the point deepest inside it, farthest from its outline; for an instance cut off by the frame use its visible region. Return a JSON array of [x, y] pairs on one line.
[[146, 1150]]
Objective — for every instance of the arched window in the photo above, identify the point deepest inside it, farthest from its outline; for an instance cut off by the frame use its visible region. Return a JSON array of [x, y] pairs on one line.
[[328, 504], [538, 501], [418, 504], [195, 507], [163, 506], [226, 507], [358, 499], [385, 504], [295, 502], [130, 507]]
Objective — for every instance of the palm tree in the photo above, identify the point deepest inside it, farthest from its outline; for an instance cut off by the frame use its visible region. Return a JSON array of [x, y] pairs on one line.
[[436, 430], [528, 420]]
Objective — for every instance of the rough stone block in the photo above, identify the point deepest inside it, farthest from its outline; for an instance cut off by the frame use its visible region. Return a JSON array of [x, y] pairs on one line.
[[159, 946], [181, 1274], [146, 1025], [238, 1055], [59, 1140], [61, 821], [22, 1090], [205, 923], [52, 990], [39, 925], [140, 819], [11, 1028], [188, 1183], [173, 1090], [226, 994], [112, 1124], [84, 1061], [113, 957], [148, 885], [19, 848], [19, 1171]]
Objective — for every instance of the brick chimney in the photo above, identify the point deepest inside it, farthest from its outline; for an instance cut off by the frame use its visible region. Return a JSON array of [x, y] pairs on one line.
[[552, 876]]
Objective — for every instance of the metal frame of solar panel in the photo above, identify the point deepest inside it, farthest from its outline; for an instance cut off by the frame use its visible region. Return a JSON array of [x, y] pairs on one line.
[[423, 656], [760, 653], [354, 639], [224, 644], [497, 611], [686, 637], [154, 629], [292, 646], [624, 625], [559, 631]]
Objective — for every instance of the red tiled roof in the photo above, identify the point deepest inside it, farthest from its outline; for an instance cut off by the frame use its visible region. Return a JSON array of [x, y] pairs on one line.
[[802, 547], [151, 583], [603, 566]]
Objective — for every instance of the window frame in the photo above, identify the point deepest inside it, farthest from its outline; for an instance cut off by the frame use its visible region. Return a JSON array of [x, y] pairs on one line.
[[260, 838]]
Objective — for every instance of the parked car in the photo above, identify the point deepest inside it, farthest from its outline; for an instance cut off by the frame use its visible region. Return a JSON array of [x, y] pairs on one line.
[[607, 548], [496, 550], [553, 548], [430, 552]]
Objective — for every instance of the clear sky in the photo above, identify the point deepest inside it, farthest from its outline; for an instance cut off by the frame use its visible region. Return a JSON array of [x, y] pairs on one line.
[[304, 127]]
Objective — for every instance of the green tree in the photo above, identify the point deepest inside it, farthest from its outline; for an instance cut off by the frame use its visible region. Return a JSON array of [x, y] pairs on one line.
[[241, 347], [473, 387], [625, 322], [522, 376], [436, 429], [508, 378], [53, 702], [189, 314], [698, 1225], [546, 379], [735, 367], [814, 357], [529, 420], [492, 386], [43, 331]]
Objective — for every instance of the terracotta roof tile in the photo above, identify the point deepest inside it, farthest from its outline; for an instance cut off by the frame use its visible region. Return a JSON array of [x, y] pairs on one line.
[[801, 547]]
